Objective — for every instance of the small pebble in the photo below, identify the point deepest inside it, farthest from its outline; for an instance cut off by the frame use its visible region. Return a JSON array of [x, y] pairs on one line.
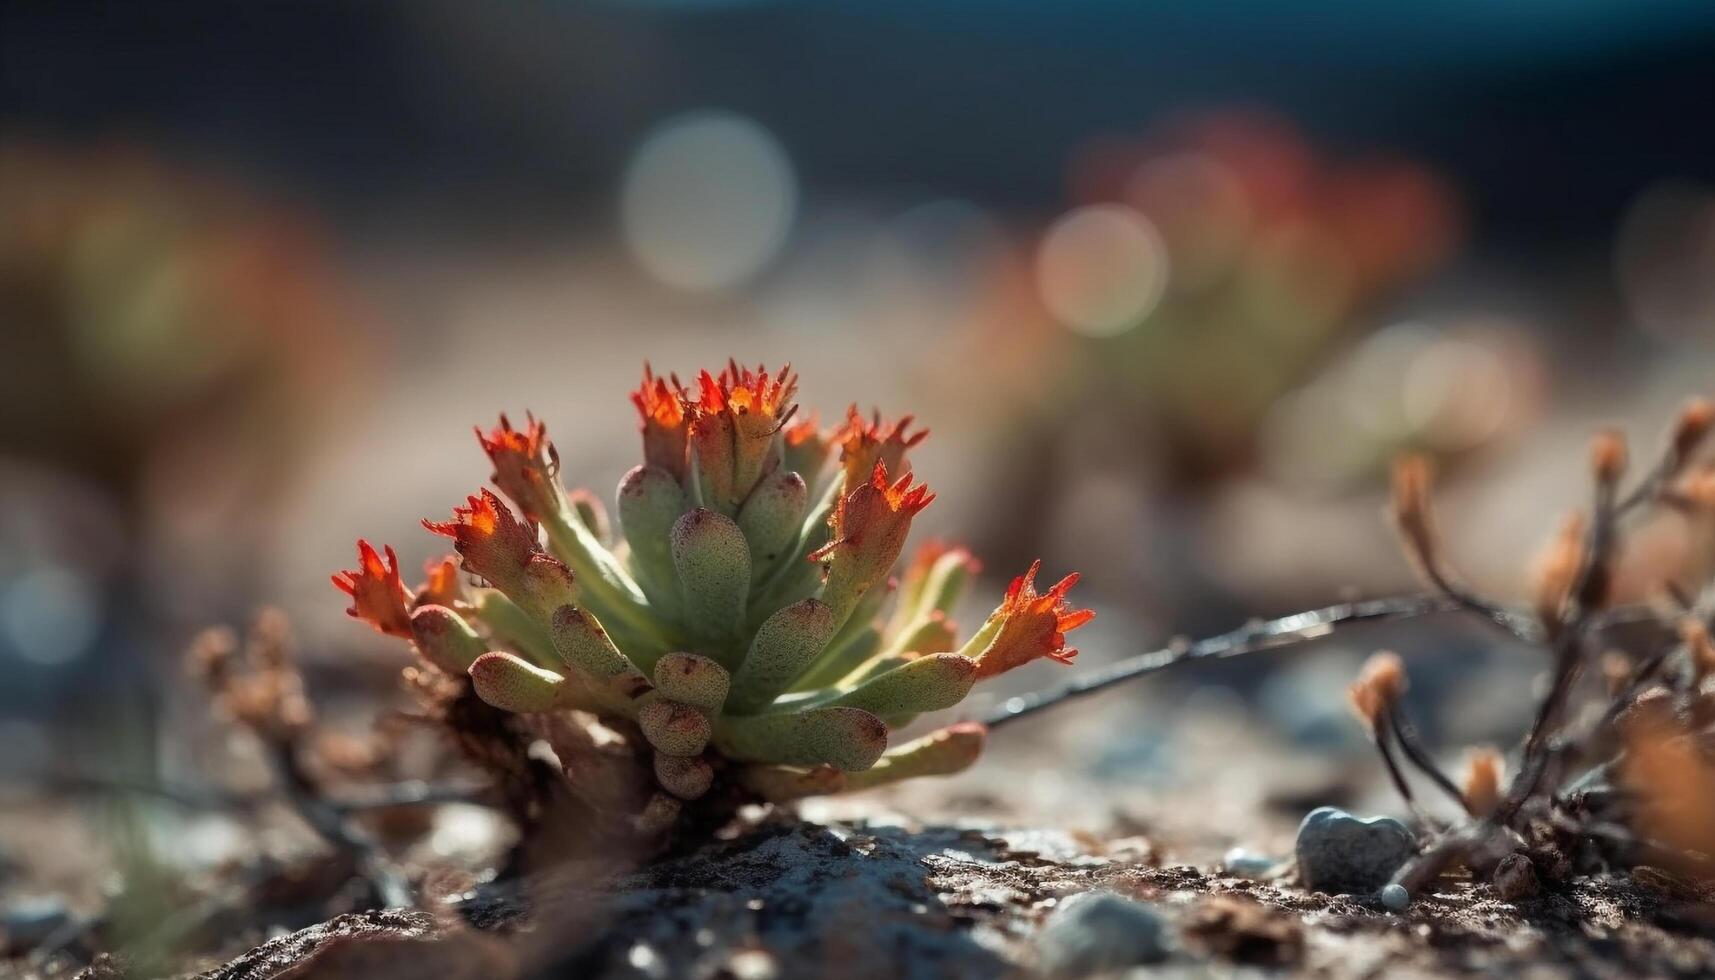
[[1099, 931], [753, 964], [1342, 854], [1396, 897], [1248, 864]]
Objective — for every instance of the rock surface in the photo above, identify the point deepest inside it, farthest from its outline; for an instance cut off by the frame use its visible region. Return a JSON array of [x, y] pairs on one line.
[[890, 901], [312, 948], [1249, 864], [1097, 932], [1342, 854]]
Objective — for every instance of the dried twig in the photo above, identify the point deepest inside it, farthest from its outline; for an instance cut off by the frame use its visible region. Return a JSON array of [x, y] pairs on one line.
[[1251, 638], [260, 688], [1408, 740], [1571, 611], [330, 823]]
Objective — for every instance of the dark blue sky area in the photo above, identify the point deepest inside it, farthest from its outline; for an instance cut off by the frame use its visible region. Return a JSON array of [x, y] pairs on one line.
[[1550, 115]]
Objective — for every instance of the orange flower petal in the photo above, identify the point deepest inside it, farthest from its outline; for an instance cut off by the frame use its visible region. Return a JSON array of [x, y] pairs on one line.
[[866, 443], [526, 468], [662, 405], [442, 586], [1033, 625], [489, 537], [378, 596]]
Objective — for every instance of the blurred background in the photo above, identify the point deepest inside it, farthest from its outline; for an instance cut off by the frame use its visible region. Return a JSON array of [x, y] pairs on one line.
[[1168, 285]]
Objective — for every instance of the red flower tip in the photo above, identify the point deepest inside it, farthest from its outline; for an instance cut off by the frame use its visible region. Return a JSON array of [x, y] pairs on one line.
[[660, 401], [1033, 625], [878, 431], [378, 596], [865, 443], [803, 431], [933, 550], [479, 517], [490, 538], [525, 465], [504, 439], [743, 391], [749, 404], [663, 404], [807, 445], [442, 586], [900, 495], [870, 524]]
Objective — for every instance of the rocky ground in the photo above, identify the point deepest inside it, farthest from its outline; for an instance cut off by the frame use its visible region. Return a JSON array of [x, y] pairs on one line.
[[1101, 842], [886, 898]]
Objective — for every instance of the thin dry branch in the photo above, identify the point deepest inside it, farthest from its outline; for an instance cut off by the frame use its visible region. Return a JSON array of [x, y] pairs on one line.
[[1409, 741], [1547, 754], [1250, 638], [330, 823]]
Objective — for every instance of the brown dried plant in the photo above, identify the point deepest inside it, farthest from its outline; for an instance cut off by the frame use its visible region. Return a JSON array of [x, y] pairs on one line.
[[1621, 778]]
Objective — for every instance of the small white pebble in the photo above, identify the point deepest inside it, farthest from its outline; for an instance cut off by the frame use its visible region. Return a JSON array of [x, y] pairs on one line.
[[1396, 897], [1247, 864], [753, 964]]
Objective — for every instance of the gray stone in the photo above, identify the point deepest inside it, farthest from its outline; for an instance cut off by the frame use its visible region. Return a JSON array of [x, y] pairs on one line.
[[1248, 864], [1099, 931], [1340, 853], [1396, 897]]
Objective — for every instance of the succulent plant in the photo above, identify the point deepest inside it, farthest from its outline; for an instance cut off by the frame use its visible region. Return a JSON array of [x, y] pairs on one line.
[[732, 615]]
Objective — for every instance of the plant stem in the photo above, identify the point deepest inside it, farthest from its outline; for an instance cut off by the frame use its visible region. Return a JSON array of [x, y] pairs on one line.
[[301, 791], [1406, 736]]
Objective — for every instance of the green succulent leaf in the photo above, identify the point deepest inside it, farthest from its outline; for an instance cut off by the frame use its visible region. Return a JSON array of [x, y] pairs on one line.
[[515, 628], [929, 683], [786, 645], [510, 683], [939, 753], [782, 784], [650, 502], [685, 777], [772, 516], [674, 728], [693, 679], [713, 561], [846, 738], [446, 639]]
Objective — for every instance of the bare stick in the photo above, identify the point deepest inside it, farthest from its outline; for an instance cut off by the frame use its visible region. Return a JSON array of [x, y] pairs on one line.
[[330, 823], [1406, 735], [1403, 788], [1568, 645], [1251, 638]]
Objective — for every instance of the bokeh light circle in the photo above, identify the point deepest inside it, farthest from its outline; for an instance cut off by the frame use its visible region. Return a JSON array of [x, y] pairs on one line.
[[1456, 394], [1101, 269], [50, 616], [707, 200]]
